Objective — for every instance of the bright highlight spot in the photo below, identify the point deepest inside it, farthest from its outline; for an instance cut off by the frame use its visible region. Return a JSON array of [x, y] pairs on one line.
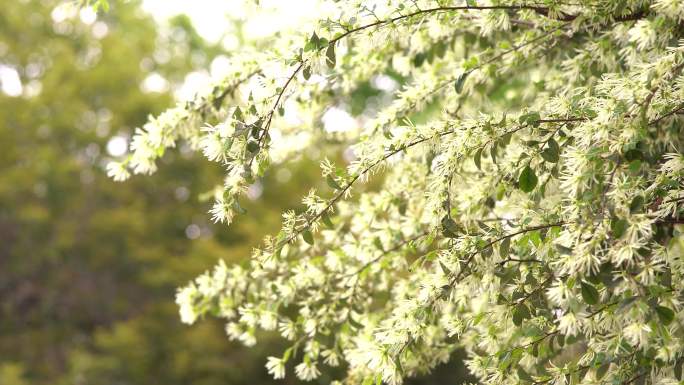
[[117, 146], [154, 82], [87, 15], [338, 120], [193, 231], [10, 83]]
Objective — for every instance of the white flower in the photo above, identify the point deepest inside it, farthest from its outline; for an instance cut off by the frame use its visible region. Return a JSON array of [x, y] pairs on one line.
[[569, 324], [221, 212], [310, 327], [213, 147], [637, 333], [248, 315], [185, 298], [643, 34], [307, 371], [117, 171], [268, 320], [276, 367], [559, 294], [595, 131], [671, 8], [331, 358], [224, 129], [288, 330]]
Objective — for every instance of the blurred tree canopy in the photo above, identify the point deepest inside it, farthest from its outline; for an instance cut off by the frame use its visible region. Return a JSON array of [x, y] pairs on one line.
[[89, 266]]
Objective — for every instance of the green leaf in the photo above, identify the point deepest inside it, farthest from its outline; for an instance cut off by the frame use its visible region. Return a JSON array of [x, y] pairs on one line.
[[355, 324], [552, 153], [470, 63], [492, 152], [665, 314], [237, 114], [450, 228], [626, 303], [255, 131], [486, 252], [239, 209], [678, 368], [460, 81], [101, 4], [506, 139], [330, 56], [520, 313], [478, 159], [602, 370], [402, 207], [504, 247], [307, 72], [563, 250], [523, 375], [527, 179], [484, 226], [440, 49], [589, 293], [504, 360], [333, 183], [325, 218], [252, 146], [314, 40], [618, 227], [419, 59], [308, 237], [637, 204], [287, 354], [531, 119], [445, 269], [517, 294], [378, 244], [633, 154], [560, 338]]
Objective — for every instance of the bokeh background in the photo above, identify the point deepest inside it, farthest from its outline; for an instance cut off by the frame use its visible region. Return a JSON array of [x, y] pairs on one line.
[[89, 267]]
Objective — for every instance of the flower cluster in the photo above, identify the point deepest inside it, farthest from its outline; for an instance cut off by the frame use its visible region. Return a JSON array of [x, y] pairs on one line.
[[532, 184]]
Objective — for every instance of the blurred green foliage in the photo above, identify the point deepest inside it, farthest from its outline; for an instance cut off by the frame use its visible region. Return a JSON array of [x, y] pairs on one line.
[[89, 267]]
